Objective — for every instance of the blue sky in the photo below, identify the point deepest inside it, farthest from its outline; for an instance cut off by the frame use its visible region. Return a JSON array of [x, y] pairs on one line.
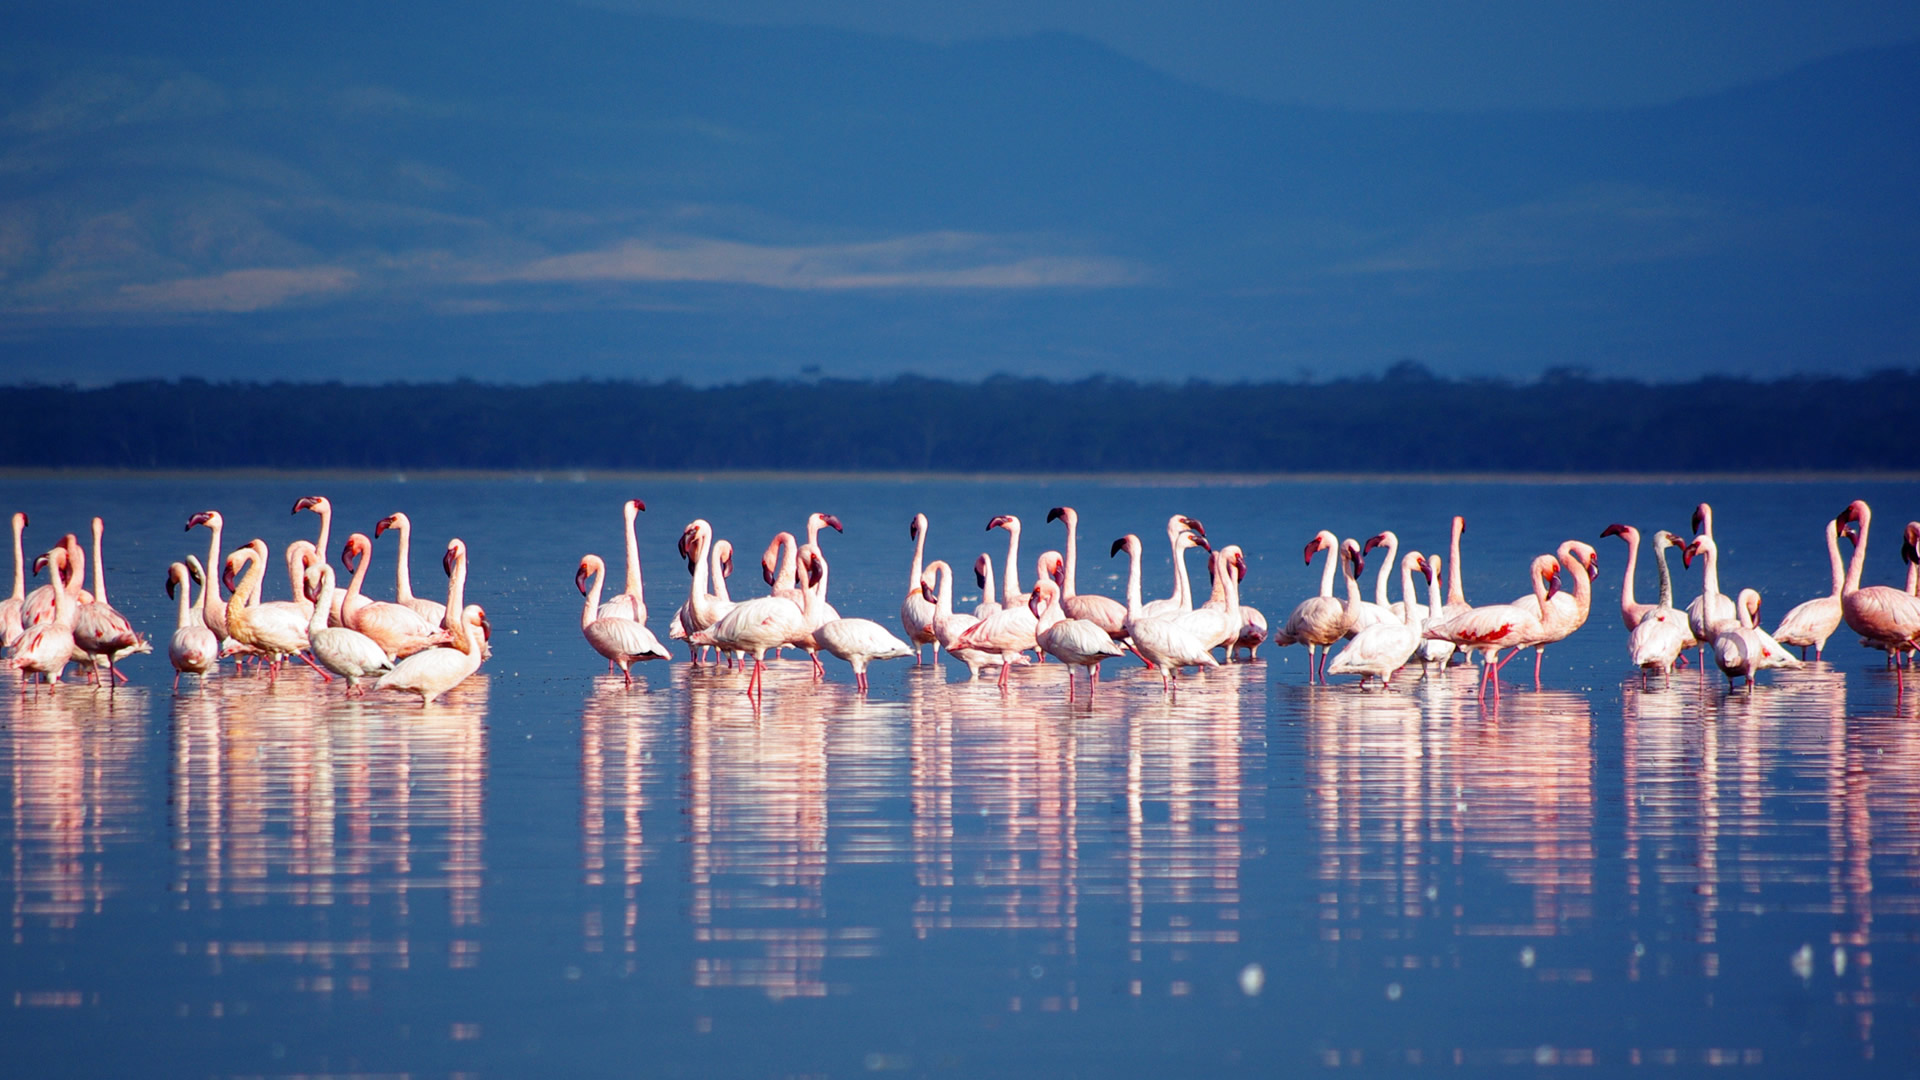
[[517, 191]]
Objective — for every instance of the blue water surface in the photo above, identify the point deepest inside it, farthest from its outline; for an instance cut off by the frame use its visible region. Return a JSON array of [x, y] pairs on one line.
[[548, 873]]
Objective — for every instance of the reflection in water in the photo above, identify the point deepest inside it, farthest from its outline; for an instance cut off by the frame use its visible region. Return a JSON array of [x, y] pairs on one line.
[[294, 796], [619, 730], [75, 758]]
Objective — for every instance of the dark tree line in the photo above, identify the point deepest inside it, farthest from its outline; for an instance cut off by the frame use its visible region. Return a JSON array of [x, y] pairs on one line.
[[1407, 420]]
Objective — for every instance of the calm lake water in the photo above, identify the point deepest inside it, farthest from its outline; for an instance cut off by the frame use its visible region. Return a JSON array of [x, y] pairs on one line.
[[547, 874]]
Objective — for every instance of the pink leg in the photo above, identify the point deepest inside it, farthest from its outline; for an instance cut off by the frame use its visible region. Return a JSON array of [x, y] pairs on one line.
[[324, 676]]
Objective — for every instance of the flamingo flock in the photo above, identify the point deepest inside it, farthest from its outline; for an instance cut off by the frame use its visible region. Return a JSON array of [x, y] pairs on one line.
[[424, 647]]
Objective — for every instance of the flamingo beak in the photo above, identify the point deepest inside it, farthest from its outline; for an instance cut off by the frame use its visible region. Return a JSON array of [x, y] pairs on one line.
[[580, 577], [1313, 548], [913, 528], [200, 518], [1373, 542], [486, 627], [1239, 567], [926, 593], [1614, 530], [1593, 567], [451, 557], [1699, 519], [1117, 545], [637, 504], [39, 565], [726, 565], [833, 522], [1194, 524], [766, 571], [1200, 541], [1056, 514], [170, 579], [996, 522], [306, 503], [227, 575]]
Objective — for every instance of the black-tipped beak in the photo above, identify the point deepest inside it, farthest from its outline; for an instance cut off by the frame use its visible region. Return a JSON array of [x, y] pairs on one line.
[[446, 561], [1698, 520], [169, 584], [1200, 541], [580, 578], [913, 529], [1117, 546], [927, 594], [833, 522], [638, 505], [1194, 524], [1056, 513]]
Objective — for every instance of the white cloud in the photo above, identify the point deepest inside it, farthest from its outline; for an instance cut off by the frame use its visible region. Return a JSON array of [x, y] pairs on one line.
[[234, 291], [926, 261]]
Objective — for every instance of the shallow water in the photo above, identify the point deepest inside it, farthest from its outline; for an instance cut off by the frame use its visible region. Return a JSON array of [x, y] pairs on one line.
[[551, 874]]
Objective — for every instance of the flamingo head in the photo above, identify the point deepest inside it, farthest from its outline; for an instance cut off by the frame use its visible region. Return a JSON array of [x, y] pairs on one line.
[[1425, 567], [1700, 515], [1001, 521], [1238, 560], [1322, 541], [914, 526], [1350, 551], [19, 519], [1192, 524], [356, 548], [1552, 576], [1063, 513], [725, 551], [1624, 532], [456, 554], [980, 567], [1128, 542], [1194, 539], [1690, 552], [316, 503], [1665, 539], [478, 616], [176, 572], [926, 583], [314, 579], [230, 570], [1053, 565], [391, 521], [766, 568], [1910, 543], [1588, 558], [209, 518], [815, 564], [1037, 599], [633, 506], [1385, 539], [1750, 599], [43, 561]]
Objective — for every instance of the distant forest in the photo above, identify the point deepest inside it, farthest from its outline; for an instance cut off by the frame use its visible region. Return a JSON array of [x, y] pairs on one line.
[[1406, 420]]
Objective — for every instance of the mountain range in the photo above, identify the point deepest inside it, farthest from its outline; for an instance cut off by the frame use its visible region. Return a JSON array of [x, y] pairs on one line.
[[519, 193]]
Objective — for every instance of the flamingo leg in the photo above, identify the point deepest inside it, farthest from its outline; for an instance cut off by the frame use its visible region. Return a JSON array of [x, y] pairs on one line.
[[324, 677]]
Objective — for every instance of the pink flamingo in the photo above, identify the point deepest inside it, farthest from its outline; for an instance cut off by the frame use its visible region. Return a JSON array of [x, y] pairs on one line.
[[192, 650], [98, 629], [11, 625], [1503, 626], [1103, 611], [213, 611], [399, 630], [1631, 611], [46, 648], [618, 638], [1183, 534], [916, 613], [1321, 620], [274, 630], [1162, 642], [860, 642], [631, 603], [1385, 647], [322, 506], [1877, 613], [347, 653], [1813, 622], [432, 672], [1073, 642], [433, 611]]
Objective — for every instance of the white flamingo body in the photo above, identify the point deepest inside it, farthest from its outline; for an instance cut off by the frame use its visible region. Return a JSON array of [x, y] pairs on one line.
[[860, 642], [1433, 650], [1103, 611], [618, 638], [1810, 624], [1183, 535], [1162, 642], [347, 653], [192, 650], [1502, 626], [433, 611], [1385, 647], [99, 630], [916, 613], [11, 623], [46, 647], [1318, 621], [432, 672], [1073, 642]]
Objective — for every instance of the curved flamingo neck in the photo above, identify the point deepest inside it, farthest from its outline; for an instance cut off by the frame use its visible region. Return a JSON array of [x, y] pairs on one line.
[[599, 571], [1223, 572], [1455, 594], [1353, 585], [943, 590], [1833, 560], [1859, 561], [1660, 547], [785, 577], [1710, 573], [1433, 595], [717, 568], [62, 597], [986, 580], [317, 620], [256, 559], [1050, 614], [1386, 568], [359, 577], [1627, 604], [1539, 571], [702, 542]]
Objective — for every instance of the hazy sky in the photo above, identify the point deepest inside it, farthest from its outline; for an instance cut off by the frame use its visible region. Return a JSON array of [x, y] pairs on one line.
[[1394, 54]]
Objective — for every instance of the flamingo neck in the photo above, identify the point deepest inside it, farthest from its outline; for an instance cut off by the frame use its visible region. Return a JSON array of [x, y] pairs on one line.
[[633, 556], [986, 581], [99, 568], [1133, 580], [943, 591], [1050, 614], [359, 576], [317, 620], [593, 596], [237, 603], [62, 598], [185, 609], [1859, 561], [1353, 586], [919, 553], [1833, 560], [1067, 588], [1455, 594], [1407, 598], [1666, 574], [19, 561], [718, 576], [1327, 571], [1627, 603], [210, 589], [1433, 597], [403, 572], [784, 577], [702, 543], [457, 599], [1227, 575], [1386, 567], [1010, 594]]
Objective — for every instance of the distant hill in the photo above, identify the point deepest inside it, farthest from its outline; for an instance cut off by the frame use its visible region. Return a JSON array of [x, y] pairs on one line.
[[1407, 421], [367, 191]]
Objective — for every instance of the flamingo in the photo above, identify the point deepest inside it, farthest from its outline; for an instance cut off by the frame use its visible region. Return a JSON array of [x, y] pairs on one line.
[[1012, 629], [322, 506], [1073, 642], [399, 630], [703, 608], [1183, 534], [1813, 622], [948, 625], [11, 626], [618, 638], [754, 627], [1161, 642], [1321, 620], [631, 604], [1699, 618], [1377, 610], [813, 604], [39, 606], [433, 611], [1877, 613], [1220, 626], [1631, 611], [193, 650], [213, 610], [916, 614], [1745, 650], [1383, 648], [347, 653], [99, 630], [1661, 635], [1103, 611], [46, 648], [1500, 626], [1569, 612], [1433, 650], [432, 672], [274, 630], [860, 642], [983, 580], [1253, 624]]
